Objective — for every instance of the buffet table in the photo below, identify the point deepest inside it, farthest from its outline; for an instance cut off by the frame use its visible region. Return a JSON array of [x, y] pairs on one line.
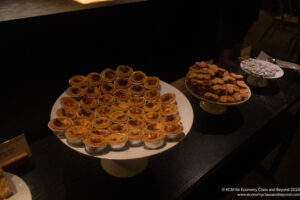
[[200, 164]]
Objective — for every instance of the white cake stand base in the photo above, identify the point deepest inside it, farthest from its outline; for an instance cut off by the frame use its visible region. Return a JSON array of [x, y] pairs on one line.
[[257, 81], [124, 168], [211, 108]]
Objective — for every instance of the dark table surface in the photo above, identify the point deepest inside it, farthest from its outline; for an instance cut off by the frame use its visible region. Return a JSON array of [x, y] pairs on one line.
[[57, 172]]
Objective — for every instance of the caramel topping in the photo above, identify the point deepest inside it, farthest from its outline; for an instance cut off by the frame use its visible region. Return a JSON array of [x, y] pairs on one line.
[[135, 133], [101, 121], [170, 118], [87, 100], [75, 90], [124, 69], [107, 87], [77, 80], [138, 76], [166, 98], [137, 99], [136, 110], [133, 122], [153, 127], [120, 117], [84, 112], [117, 128], [98, 132], [123, 82], [150, 105], [152, 93], [152, 136], [58, 122], [90, 90], [120, 94], [152, 81], [171, 127], [110, 74], [153, 115], [96, 139], [95, 77], [103, 110]]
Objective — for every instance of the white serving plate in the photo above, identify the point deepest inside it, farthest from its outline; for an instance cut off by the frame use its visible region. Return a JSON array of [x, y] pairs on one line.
[[19, 187]]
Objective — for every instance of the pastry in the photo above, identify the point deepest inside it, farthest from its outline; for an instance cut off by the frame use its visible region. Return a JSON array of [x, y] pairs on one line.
[[122, 83], [152, 94], [117, 141], [170, 118], [167, 98], [107, 88], [69, 102], [66, 112], [136, 101], [59, 125], [152, 117], [86, 112], [93, 78], [172, 130], [82, 121], [92, 91], [99, 131], [76, 134], [120, 106], [211, 96], [153, 127], [89, 102], [101, 122], [152, 106], [151, 82], [138, 90], [138, 77], [117, 128], [135, 137], [78, 81], [103, 111], [168, 109], [106, 99], [153, 140], [135, 112], [121, 95], [226, 99], [109, 75], [95, 144], [75, 92], [135, 123], [119, 117], [124, 70], [6, 190]]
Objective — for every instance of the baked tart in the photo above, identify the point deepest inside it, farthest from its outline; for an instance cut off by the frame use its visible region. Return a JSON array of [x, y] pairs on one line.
[[151, 82], [173, 118], [153, 127], [124, 70], [95, 144], [122, 95], [86, 113], [117, 141], [92, 91], [122, 83], [99, 131], [119, 117], [120, 106], [136, 123], [167, 98], [135, 112], [109, 75], [76, 134], [117, 128], [93, 78], [66, 112], [136, 101], [107, 88], [106, 99], [101, 122], [168, 109], [102, 111], [78, 81], [138, 77], [152, 106], [135, 136], [152, 117], [152, 94], [75, 92], [69, 102], [59, 125], [153, 140], [138, 90], [172, 130], [82, 121], [89, 102]]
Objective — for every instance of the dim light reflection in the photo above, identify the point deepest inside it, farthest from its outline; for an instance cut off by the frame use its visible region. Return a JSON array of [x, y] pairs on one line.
[[90, 1]]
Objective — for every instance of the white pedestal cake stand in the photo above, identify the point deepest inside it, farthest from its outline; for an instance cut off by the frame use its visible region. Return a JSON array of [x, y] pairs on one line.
[[212, 107], [133, 160]]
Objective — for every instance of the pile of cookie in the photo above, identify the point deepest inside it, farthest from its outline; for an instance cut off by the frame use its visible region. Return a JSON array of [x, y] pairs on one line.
[[216, 84]]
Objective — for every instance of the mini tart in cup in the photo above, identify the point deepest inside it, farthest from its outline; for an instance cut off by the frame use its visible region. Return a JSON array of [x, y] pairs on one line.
[[136, 101], [95, 144], [59, 125], [153, 140], [122, 83], [168, 109], [106, 99], [66, 112], [103, 111], [76, 134], [119, 117], [151, 82], [167, 98], [138, 77], [172, 130], [107, 88], [173, 118], [152, 94], [152, 117], [101, 122], [99, 131], [120, 106], [69, 102], [92, 91], [117, 141], [117, 128], [122, 95], [135, 123], [124, 70], [75, 92], [135, 137], [152, 106], [109, 75], [137, 90], [89, 102], [153, 127], [93, 78], [78, 81], [135, 112], [82, 121], [86, 113]]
